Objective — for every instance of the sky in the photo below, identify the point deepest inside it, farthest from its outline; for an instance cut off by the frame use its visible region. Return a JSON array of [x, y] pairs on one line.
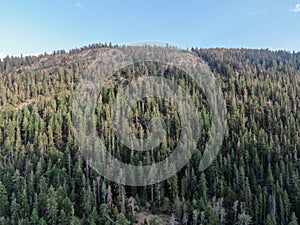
[[33, 26]]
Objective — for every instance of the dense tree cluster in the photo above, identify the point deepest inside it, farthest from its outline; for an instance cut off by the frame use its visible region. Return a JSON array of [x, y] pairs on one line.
[[254, 180]]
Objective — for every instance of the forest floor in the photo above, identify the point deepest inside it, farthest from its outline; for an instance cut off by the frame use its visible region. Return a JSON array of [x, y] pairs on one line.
[[146, 215]]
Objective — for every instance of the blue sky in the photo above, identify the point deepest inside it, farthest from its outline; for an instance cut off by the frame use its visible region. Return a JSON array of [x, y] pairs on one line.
[[35, 26]]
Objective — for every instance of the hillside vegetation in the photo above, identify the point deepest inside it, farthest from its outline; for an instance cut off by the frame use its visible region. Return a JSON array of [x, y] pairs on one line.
[[254, 180]]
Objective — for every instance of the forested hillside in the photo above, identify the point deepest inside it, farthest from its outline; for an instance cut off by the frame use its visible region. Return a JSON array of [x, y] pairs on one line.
[[254, 179]]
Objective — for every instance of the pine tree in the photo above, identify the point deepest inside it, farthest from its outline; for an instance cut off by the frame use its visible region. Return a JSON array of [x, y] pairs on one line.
[[121, 220], [210, 216], [4, 204], [52, 207], [294, 219], [34, 219], [244, 219]]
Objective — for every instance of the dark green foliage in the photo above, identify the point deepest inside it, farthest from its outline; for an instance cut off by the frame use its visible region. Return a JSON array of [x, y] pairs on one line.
[[254, 179]]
